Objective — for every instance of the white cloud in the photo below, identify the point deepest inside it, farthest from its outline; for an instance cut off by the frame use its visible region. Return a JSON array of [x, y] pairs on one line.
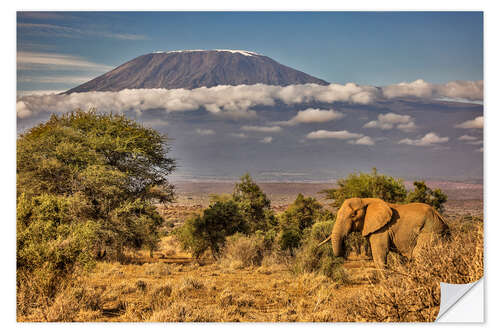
[[232, 101], [467, 138], [157, 123], [477, 142], [342, 135], [418, 88], [477, 122], [55, 79], [469, 90], [70, 32], [264, 129], [228, 101], [22, 110], [390, 120], [21, 93], [350, 92], [239, 135], [202, 131], [267, 139], [366, 140], [312, 116], [429, 139], [34, 60]]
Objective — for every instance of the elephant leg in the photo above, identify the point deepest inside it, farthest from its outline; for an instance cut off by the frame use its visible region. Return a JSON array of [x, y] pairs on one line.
[[379, 243]]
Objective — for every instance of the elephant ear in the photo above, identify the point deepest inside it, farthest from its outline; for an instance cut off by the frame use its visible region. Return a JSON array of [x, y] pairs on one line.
[[377, 215]]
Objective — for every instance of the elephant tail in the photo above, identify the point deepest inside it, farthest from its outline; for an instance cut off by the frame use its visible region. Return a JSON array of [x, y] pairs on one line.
[[323, 242]]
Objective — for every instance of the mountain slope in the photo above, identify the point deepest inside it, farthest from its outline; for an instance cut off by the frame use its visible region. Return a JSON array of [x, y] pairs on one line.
[[195, 69]]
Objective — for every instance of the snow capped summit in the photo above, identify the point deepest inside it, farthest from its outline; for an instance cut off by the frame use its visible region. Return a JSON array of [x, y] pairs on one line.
[[190, 69], [243, 52]]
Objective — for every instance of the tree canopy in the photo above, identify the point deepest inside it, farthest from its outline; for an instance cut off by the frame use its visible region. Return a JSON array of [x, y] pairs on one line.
[[387, 188], [254, 205], [367, 185], [421, 193], [86, 184]]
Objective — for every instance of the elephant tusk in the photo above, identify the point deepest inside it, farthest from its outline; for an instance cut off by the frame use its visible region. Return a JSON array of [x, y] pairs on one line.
[[323, 242]]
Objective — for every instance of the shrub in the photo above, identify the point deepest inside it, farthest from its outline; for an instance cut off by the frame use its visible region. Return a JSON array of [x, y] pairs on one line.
[[303, 212], [209, 230], [421, 193], [355, 242], [367, 185], [299, 216], [254, 205], [249, 250], [289, 238], [311, 258]]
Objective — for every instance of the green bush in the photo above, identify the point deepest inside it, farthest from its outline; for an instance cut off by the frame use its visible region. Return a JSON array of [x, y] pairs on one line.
[[421, 193], [357, 243], [311, 258], [49, 237], [210, 229], [303, 212], [367, 185], [298, 217], [254, 205], [389, 189], [289, 238]]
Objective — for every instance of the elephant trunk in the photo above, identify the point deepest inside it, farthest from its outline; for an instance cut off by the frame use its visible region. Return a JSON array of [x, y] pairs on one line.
[[338, 234], [337, 245]]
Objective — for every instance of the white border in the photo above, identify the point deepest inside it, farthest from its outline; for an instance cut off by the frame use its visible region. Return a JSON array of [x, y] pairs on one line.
[[8, 135]]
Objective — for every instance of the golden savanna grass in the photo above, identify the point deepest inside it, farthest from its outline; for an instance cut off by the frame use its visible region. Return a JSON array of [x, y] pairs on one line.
[[247, 285]]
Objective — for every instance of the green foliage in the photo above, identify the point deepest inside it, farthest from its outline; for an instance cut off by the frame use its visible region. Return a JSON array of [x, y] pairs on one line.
[[357, 243], [209, 230], [303, 212], [375, 185], [49, 237], [299, 216], [367, 185], [254, 205], [289, 238], [86, 184], [311, 258], [421, 193], [247, 210]]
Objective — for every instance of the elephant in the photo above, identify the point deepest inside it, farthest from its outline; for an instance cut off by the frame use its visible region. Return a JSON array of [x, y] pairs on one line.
[[402, 227]]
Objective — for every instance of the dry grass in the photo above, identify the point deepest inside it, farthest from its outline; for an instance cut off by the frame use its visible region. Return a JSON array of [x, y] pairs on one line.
[[249, 286], [410, 291]]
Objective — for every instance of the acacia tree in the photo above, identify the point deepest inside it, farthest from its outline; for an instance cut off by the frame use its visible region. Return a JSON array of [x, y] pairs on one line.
[[86, 184]]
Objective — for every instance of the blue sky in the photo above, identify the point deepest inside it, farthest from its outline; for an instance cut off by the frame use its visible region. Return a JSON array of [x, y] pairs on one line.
[[417, 123], [375, 48]]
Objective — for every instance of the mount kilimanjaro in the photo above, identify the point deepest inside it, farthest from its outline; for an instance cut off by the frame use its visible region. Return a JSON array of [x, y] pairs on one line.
[[191, 69]]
